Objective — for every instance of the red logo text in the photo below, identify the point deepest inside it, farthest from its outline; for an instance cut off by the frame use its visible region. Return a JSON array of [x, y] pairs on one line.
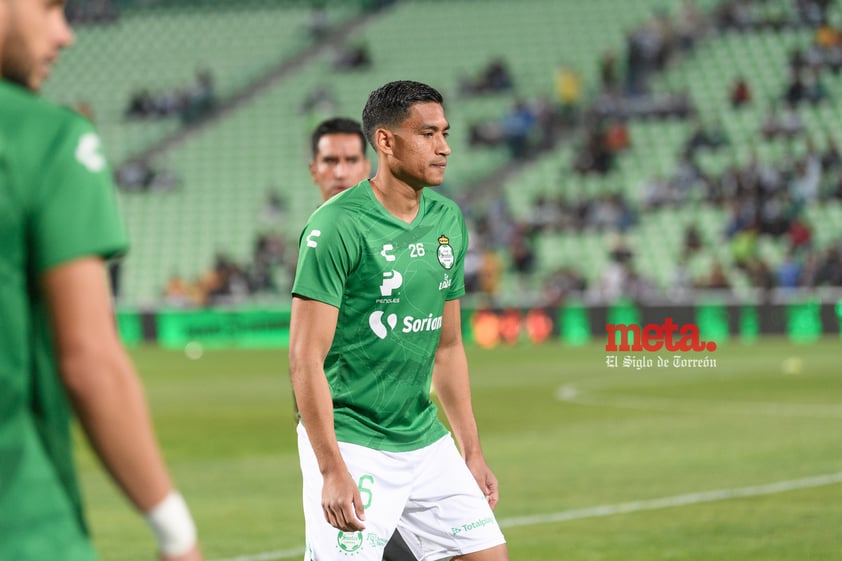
[[653, 337]]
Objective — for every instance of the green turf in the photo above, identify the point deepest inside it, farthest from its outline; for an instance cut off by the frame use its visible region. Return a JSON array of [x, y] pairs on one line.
[[620, 435]]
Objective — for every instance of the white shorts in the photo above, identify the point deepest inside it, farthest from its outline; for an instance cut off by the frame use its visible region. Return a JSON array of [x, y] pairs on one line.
[[429, 495]]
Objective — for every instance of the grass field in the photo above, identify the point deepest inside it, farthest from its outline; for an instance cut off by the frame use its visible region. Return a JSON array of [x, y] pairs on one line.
[[564, 433]]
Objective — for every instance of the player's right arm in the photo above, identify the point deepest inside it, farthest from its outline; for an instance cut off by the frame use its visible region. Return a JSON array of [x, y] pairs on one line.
[[104, 390], [73, 224], [312, 326]]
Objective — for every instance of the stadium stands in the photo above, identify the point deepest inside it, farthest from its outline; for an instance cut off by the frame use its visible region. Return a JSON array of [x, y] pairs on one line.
[[224, 170]]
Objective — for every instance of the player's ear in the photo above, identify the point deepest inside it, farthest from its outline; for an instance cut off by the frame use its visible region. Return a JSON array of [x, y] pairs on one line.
[[312, 168], [384, 140]]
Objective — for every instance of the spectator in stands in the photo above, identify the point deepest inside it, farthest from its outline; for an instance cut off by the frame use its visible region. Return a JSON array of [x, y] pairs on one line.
[[711, 136], [639, 287], [490, 274], [814, 87], [608, 72], [560, 284], [809, 270], [796, 89], [260, 275], [610, 213], [830, 268], [594, 155], [691, 24], [800, 235], [744, 244], [692, 240], [179, 293], [273, 211], [486, 133], [518, 125], [568, 89], [774, 214], [761, 276], [716, 278], [521, 252], [548, 121], [734, 14], [613, 282], [616, 275], [495, 78], [740, 93], [320, 101], [787, 124], [806, 180], [682, 279], [655, 192], [741, 215], [545, 215], [813, 12], [319, 24], [789, 271], [353, 57], [91, 11], [138, 175], [190, 103], [473, 264], [831, 158], [200, 98], [617, 137], [686, 178]]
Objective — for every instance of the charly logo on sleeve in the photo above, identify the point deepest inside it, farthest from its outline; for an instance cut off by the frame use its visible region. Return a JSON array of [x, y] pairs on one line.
[[89, 152]]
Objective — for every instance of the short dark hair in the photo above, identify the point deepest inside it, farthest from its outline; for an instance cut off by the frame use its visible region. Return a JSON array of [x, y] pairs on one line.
[[336, 125], [389, 105]]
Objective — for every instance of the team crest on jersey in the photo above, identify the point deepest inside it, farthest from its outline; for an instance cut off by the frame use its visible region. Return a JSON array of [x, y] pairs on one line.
[[445, 253], [349, 542]]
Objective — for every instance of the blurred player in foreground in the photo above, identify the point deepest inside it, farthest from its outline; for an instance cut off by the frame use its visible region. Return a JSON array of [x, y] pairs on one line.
[[340, 162], [59, 348], [375, 308]]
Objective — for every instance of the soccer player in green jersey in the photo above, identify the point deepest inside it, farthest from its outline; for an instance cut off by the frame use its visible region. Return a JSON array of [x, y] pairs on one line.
[[375, 321], [59, 350], [339, 156], [339, 162]]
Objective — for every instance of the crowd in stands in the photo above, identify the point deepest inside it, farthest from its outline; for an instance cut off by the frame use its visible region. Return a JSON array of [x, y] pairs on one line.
[[91, 11], [230, 282], [762, 198], [190, 103], [139, 175], [759, 15]]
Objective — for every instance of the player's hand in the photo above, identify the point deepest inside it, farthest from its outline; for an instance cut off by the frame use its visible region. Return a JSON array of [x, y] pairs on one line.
[[192, 555], [486, 479], [341, 502]]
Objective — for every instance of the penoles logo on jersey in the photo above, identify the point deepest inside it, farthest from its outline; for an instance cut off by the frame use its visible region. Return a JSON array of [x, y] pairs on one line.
[[445, 253]]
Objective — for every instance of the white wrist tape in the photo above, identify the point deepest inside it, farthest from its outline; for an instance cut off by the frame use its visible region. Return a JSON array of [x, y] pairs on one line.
[[172, 524]]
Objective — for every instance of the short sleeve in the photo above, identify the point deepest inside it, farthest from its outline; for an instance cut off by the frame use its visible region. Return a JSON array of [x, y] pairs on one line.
[[75, 209], [328, 251], [457, 288]]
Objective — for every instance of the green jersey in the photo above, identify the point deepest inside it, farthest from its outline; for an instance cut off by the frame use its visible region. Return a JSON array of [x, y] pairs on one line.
[[389, 280], [57, 203]]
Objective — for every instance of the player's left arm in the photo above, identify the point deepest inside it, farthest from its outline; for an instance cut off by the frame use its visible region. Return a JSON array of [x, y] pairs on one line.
[[452, 384]]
